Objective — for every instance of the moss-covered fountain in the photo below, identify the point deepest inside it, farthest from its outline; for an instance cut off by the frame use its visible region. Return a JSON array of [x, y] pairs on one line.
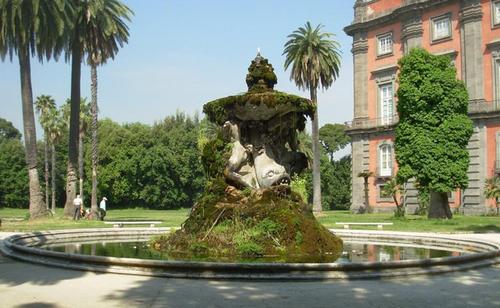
[[248, 210]]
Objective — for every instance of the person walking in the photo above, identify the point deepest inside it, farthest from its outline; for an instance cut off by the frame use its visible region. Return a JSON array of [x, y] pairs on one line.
[[77, 202], [102, 208]]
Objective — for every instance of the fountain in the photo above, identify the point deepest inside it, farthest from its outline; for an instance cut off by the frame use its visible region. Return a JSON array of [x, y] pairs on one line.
[[248, 210], [249, 224]]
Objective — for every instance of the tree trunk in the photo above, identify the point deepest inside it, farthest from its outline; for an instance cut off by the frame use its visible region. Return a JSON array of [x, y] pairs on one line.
[[53, 178], [95, 153], [316, 156], [80, 163], [74, 127], [46, 171], [439, 206], [367, 196], [37, 208]]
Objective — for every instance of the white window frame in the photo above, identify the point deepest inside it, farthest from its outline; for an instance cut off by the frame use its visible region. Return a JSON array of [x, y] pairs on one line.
[[495, 13], [384, 44], [385, 160], [440, 20], [386, 103]]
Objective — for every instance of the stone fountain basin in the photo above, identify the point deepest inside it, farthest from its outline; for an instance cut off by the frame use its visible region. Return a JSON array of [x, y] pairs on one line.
[[24, 247]]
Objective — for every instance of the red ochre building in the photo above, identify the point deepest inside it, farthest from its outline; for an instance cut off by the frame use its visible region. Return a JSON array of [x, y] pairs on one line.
[[468, 31]]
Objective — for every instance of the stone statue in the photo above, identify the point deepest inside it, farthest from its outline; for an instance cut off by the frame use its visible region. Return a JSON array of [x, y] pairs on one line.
[[262, 127]]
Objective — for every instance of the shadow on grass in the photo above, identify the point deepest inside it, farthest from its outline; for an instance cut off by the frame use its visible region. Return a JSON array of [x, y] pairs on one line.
[[481, 228]]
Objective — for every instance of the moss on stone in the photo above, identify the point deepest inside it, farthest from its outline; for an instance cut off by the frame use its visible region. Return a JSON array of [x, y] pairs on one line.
[[270, 225], [219, 111]]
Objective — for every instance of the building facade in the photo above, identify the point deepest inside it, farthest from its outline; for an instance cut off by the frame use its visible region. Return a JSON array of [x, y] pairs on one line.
[[467, 31]]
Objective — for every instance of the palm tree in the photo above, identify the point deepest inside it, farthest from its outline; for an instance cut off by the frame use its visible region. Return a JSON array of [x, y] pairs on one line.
[[44, 104], [85, 118], [98, 29], [492, 190], [105, 33], [55, 125], [84, 121], [315, 62], [28, 28]]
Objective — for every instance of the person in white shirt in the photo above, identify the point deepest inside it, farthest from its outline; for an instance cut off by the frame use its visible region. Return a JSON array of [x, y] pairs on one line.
[[77, 202], [102, 208]]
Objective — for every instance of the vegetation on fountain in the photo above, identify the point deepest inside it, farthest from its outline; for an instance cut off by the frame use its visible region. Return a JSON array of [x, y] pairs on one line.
[[240, 218]]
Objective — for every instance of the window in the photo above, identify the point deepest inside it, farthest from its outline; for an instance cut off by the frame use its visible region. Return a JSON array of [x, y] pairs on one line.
[[386, 97], [384, 44], [495, 12], [441, 28], [385, 158]]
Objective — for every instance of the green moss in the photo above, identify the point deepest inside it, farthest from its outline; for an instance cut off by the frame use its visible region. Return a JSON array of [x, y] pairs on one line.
[[218, 111], [272, 224], [299, 238]]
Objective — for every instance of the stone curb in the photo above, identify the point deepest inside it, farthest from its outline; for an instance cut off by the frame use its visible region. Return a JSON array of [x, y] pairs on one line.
[[19, 247]]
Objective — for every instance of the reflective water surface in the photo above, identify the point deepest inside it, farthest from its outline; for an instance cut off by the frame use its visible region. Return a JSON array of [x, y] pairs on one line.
[[352, 251]]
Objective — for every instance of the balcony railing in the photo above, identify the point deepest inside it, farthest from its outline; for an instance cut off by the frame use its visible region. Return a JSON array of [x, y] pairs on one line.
[[373, 123]]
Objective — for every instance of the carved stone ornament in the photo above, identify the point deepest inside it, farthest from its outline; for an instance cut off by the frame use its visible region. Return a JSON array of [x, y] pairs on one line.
[[262, 126]]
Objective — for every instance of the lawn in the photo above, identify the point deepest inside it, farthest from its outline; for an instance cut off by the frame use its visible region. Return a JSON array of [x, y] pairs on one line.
[[174, 218]]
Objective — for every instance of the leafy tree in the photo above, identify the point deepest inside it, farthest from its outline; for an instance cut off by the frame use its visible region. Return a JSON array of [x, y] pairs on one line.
[[333, 138], [105, 32], [315, 61], [434, 129], [29, 28], [44, 104], [14, 189], [8, 131], [492, 190]]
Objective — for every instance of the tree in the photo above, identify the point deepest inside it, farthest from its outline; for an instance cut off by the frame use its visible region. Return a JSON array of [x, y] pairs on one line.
[[94, 22], [366, 175], [31, 28], [492, 190], [315, 62], [55, 127], [8, 131], [14, 188], [44, 104], [333, 138], [434, 129], [105, 33], [393, 189]]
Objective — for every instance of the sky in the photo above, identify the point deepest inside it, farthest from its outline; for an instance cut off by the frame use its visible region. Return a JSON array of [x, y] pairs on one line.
[[184, 53]]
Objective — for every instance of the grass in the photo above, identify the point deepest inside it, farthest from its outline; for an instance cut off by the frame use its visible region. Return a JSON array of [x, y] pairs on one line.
[[170, 218], [174, 218]]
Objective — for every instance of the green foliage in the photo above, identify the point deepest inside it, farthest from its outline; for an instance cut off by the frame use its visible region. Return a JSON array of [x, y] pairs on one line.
[[393, 190], [14, 189], [156, 166], [299, 186], [336, 183], [299, 238], [333, 138], [314, 57], [434, 129], [249, 249], [8, 131], [424, 200], [492, 190]]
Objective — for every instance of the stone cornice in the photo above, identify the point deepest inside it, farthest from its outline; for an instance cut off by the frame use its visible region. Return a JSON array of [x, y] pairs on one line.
[[391, 16], [359, 47], [471, 13]]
